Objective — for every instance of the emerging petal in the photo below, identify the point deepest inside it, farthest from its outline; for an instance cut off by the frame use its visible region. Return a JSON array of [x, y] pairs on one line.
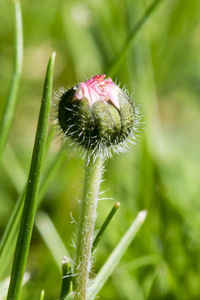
[[98, 88]]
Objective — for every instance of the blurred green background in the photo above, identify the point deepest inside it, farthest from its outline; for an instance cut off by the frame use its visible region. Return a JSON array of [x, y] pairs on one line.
[[160, 174]]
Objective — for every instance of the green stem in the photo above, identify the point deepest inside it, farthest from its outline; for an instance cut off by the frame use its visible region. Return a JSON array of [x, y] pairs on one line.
[[9, 108], [28, 214], [93, 173]]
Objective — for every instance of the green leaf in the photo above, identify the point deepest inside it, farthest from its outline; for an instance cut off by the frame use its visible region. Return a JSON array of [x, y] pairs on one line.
[[105, 225], [25, 232], [13, 168], [10, 105], [52, 238], [42, 295], [112, 70], [9, 237], [49, 139], [115, 256], [5, 283]]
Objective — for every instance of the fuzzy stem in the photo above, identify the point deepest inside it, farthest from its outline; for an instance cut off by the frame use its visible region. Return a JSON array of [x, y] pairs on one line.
[[93, 173]]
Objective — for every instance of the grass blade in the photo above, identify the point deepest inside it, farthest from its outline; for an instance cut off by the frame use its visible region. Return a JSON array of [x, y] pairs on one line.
[[105, 225], [29, 209], [13, 168], [112, 70], [115, 256], [51, 171], [10, 234], [10, 105], [42, 295], [49, 139], [5, 283], [52, 238]]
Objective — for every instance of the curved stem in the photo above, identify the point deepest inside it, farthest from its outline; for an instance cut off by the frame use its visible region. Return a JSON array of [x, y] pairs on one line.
[[93, 173]]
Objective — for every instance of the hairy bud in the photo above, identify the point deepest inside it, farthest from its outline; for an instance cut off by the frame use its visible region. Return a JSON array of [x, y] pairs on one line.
[[97, 114]]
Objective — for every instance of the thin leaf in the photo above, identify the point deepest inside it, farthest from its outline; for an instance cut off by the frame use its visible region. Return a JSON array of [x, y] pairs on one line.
[[13, 168], [5, 283], [51, 172], [25, 232], [112, 70], [143, 262], [42, 295], [105, 225], [51, 238], [9, 237], [49, 138], [10, 105], [115, 256], [10, 234]]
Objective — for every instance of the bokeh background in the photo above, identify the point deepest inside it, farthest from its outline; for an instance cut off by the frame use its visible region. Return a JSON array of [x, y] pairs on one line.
[[161, 174]]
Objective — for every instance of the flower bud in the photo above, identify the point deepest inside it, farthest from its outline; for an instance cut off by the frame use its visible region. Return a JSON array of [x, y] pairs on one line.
[[96, 114]]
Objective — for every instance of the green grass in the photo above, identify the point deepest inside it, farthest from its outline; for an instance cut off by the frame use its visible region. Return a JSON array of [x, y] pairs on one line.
[[9, 108], [32, 189], [161, 174]]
